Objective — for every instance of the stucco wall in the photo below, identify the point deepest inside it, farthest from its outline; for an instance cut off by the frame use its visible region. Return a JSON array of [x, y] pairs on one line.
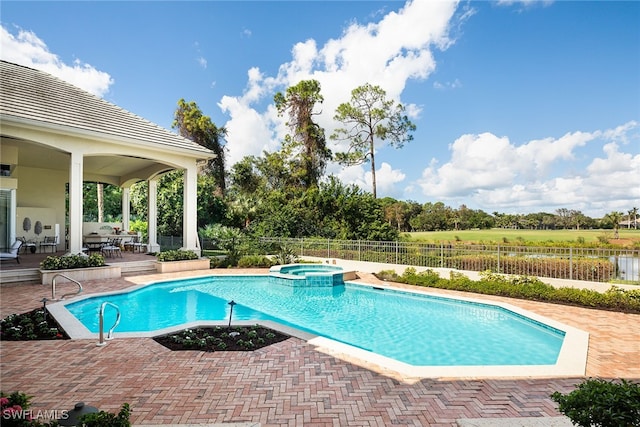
[[41, 197]]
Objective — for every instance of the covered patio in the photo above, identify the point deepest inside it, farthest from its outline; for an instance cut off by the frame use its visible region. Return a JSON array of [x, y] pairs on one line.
[[55, 137]]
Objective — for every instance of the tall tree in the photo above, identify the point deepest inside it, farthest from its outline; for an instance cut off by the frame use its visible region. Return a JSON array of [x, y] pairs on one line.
[[633, 212], [306, 143], [110, 198], [370, 116], [192, 124], [245, 177], [614, 219]]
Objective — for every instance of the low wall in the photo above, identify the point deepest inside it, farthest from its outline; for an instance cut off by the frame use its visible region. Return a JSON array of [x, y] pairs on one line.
[[81, 274], [186, 265]]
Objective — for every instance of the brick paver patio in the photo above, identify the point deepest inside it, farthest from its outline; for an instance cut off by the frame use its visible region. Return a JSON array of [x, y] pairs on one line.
[[289, 383]]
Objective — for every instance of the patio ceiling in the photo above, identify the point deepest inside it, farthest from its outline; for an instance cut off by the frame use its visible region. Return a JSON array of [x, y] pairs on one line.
[[112, 169]]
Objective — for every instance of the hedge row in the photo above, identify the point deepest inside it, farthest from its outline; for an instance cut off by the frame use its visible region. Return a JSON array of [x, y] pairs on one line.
[[523, 287]]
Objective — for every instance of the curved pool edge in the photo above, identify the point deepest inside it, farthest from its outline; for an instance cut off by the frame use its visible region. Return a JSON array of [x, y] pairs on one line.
[[571, 362]]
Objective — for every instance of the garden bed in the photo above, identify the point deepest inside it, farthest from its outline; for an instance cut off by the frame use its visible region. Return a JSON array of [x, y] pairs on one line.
[[221, 338], [33, 325]]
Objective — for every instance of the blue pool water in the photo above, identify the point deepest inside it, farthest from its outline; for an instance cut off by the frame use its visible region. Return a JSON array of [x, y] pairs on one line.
[[412, 328]]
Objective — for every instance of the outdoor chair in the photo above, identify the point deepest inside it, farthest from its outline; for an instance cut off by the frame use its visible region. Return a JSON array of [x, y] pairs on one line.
[[49, 242], [28, 245], [112, 248], [139, 246], [135, 245], [14, 252]]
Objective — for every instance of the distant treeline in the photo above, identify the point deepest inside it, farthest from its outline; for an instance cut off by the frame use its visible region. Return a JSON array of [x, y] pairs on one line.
[[332, 210]]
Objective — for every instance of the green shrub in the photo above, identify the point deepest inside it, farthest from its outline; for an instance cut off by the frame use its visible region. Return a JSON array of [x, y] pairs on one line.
[[597, 402], [176, 255], [222, 262], [285, 255], [523, 287], [107, 419], [254, 261], [72, 261]]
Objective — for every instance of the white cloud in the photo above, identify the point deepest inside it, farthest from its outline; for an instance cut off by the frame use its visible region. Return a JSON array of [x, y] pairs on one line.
[[249, 127], [525, 3], [25, 48], [387, 53], [495, 174], [387, 178], [202, 61], [456, 84]]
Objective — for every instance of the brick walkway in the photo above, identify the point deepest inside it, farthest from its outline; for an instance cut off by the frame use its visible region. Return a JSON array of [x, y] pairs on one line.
[[289, 383]]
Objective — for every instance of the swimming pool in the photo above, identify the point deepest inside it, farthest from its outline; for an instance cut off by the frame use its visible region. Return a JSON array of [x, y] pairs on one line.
[[414, 329]]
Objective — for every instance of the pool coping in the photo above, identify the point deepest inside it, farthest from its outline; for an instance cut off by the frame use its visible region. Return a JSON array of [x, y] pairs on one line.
[[572, 359]]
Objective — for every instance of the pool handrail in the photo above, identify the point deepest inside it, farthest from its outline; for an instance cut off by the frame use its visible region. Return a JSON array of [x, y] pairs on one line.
[[102, 341], [53, 286]]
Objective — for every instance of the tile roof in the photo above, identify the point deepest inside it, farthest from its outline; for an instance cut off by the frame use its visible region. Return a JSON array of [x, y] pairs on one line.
[[33, 95]]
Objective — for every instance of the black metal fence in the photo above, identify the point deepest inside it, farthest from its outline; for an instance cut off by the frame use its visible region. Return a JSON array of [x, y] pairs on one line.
[[574, 263]]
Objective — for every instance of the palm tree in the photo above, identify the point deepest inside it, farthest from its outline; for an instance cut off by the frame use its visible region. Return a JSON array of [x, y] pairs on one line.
[[245, 206], [614, 218], [634, 212]]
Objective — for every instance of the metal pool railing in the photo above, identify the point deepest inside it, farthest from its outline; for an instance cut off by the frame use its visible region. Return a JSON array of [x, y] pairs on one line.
[[574, 263]]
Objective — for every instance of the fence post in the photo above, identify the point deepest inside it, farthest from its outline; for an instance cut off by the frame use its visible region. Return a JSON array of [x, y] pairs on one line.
[[498, 259], [441, 255], [359, 250], [570, 263], [397, 251], [328, 248]]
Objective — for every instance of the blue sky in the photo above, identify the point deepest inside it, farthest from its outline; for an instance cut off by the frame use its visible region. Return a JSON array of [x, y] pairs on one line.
[[520, 106]]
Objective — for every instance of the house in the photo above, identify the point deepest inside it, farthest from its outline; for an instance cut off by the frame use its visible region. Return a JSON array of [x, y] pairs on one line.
[[54, 136]]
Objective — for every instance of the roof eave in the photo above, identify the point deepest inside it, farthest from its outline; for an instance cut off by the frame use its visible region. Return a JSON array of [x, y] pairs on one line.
[[199, 153]]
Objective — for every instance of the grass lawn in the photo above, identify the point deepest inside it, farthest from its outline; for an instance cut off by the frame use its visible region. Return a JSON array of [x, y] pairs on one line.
[[500, 235]]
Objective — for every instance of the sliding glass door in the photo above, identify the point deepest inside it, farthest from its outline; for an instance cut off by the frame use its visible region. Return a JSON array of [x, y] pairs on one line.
[[7, 218]]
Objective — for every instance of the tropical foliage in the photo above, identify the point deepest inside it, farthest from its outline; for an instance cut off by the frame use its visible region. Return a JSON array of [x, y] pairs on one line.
[[176, 255], [192, 124], [598, 402], [305, 147], [524, 287]]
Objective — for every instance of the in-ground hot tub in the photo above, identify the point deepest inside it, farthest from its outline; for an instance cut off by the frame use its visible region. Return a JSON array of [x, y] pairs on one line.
[[316, 275]]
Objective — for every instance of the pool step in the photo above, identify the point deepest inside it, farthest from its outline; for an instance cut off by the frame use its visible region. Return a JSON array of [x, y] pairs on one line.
[[32, 275], [19, 276], [132, 268]]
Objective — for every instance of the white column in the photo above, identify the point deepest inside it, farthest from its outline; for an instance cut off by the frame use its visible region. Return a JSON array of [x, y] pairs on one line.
[[75, 202], [152, 216], [126, 208], [13, 216], [190, 210]]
